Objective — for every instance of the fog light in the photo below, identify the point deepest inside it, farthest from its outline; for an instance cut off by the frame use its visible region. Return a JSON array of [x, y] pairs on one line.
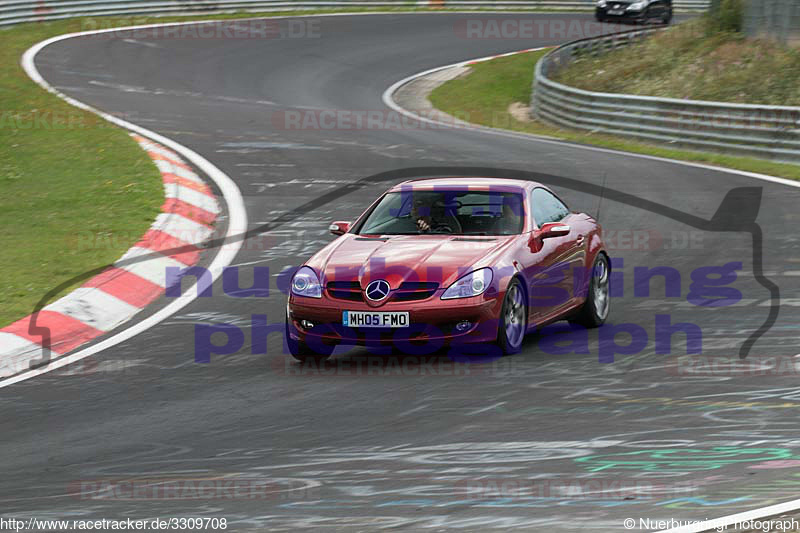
[[307, 324], [463, 326]]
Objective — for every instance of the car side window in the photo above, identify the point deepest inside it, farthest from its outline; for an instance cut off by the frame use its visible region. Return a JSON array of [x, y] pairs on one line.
[[547, 208]]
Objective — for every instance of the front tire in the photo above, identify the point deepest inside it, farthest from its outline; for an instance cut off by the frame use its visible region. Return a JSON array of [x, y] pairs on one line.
[[303, 352], [595, 309], [513, 319]]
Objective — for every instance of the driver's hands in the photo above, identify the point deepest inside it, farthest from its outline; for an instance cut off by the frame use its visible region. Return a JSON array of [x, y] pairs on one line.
[[422, 225]]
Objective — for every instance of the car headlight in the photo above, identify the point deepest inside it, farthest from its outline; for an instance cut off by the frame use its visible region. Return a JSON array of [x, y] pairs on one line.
[[601, 3], [473, 284], [637, 6], [306, 283]]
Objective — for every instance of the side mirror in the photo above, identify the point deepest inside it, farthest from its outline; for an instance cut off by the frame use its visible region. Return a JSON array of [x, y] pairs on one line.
[[339, 228], [547, 231], [553, 229]]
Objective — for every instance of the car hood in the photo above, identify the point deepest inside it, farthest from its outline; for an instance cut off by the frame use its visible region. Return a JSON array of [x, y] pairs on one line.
[[399, 258]]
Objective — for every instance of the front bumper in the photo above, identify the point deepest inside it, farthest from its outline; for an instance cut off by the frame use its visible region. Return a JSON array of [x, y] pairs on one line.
[[602, 13], [433, 322]]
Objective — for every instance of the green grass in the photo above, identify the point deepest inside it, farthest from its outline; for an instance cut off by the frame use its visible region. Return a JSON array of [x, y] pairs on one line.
[[66, 179], [483, 96], [690, 61]]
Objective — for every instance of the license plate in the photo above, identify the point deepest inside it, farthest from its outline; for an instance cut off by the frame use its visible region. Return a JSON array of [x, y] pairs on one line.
[[616, 11], [371, 319]]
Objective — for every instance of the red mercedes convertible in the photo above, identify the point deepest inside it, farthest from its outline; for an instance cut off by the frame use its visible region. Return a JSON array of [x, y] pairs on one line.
[[456, 262]]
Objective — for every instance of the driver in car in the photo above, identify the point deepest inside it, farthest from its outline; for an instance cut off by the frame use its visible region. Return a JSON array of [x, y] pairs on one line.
[[431, 213]]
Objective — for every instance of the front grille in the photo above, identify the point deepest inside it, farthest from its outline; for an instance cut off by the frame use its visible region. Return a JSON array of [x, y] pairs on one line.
[[417, 285], [410, 291], [345, 290], [411, 296], [345, 295], [344, 285]]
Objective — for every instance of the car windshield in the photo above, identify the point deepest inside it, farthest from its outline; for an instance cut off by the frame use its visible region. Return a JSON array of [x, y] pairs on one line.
[[446, 212]]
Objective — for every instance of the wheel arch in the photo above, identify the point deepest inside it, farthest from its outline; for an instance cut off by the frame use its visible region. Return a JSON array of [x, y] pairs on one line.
[[518, 275]]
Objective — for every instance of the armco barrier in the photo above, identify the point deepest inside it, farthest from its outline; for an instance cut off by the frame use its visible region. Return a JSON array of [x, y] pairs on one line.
[[17, 11], [771, 132]]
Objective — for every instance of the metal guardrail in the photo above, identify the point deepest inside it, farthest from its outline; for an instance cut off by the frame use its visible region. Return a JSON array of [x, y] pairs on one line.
[[773, 19], [771, 132], [18, 11]]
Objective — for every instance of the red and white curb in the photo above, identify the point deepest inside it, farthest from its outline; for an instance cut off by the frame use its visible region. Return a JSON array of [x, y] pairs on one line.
[[118, 293]]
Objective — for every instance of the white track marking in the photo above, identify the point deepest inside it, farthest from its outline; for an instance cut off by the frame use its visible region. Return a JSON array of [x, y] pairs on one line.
[[156, 149], [153, 269], [94, 307], [18, 352], [191, 196], [182, 228], [166, 166]]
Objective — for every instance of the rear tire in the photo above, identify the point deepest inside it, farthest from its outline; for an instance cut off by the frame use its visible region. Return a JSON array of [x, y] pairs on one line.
[[513, 319], [666, 18], [595, 309], [303, 352]]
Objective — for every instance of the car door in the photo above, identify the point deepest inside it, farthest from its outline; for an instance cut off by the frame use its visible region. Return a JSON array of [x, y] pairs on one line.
[[552, 261]]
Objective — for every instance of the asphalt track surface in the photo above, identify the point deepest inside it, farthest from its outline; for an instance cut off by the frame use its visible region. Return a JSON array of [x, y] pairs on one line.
[[410, 449]]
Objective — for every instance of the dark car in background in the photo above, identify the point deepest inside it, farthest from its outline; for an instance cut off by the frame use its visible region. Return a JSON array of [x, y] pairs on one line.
[[643, 11]]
